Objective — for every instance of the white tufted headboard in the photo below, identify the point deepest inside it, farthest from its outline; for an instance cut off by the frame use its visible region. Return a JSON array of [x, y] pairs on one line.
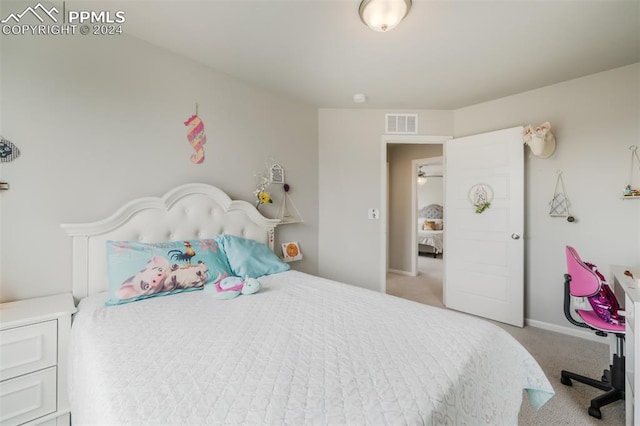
[[189, 211]]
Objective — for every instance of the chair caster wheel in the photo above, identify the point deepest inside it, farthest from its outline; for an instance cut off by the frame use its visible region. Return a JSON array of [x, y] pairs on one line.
[[595, 412], [565, 381]]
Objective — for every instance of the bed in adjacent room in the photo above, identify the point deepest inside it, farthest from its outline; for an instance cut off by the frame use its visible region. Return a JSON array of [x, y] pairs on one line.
[[431, 229], [301, 350]]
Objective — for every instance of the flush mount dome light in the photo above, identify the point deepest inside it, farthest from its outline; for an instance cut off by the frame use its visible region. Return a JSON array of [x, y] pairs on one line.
[[383, 15]]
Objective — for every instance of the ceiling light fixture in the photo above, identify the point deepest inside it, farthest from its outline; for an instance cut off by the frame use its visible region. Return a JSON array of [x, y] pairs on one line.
[[422, 176], [383, 15], [359, 98]]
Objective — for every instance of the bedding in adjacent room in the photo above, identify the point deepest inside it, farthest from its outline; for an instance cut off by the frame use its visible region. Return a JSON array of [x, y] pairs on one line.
[[431, 227], [303, 350], [434, 239]]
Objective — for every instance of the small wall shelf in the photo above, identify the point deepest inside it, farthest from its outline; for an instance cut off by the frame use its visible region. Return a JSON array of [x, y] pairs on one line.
[[288, 212], [289, 222], [630, 197]]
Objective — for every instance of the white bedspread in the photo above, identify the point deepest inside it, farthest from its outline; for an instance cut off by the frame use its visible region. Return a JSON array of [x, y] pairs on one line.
[[303, 350], [431, 238]]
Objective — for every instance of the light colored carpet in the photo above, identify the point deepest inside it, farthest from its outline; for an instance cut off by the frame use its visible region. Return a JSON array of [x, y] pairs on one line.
[[553, 351]]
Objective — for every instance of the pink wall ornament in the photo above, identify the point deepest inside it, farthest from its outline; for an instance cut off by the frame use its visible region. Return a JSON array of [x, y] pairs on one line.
[[196, 137]]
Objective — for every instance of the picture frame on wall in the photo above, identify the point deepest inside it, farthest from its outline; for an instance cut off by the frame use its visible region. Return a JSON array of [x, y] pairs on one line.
[[291, 252], [276, 174]]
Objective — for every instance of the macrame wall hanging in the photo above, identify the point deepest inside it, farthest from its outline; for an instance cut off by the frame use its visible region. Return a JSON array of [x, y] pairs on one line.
[[560, 202], [630, 191]]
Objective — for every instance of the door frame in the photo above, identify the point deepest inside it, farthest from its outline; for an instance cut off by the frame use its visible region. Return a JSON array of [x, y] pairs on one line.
[[384, 192], [414, 203]]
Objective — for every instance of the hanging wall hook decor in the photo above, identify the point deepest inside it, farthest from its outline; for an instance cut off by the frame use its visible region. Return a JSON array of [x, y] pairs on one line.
[[560, 202], [8, 151]]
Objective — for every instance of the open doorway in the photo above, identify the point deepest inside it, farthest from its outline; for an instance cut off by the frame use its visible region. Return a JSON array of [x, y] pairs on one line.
[[408, 275], [429, 213], [429, 206]]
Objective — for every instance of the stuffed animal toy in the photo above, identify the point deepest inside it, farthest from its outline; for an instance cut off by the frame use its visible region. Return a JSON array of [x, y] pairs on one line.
[[232, 287]]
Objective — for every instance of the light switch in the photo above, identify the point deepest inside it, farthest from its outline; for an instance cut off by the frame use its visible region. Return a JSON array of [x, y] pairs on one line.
[[374, 214]]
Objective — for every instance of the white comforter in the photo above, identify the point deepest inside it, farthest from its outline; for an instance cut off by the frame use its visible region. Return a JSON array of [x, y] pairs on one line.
[[303, 350], [434, 239]]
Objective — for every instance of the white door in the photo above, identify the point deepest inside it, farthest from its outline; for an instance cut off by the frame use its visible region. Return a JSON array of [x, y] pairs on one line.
[[484, 262]]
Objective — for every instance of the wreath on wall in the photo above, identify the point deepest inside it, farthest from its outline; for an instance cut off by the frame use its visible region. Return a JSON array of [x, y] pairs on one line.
[[481, 196]]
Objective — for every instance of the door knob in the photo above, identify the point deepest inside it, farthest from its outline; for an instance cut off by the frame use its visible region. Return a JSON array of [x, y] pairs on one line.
[[515, 236]]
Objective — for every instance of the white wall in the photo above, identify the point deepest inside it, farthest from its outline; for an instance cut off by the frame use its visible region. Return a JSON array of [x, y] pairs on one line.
[[595, 120], [99, 121], [351, 150], [432, 192], [401, 225]]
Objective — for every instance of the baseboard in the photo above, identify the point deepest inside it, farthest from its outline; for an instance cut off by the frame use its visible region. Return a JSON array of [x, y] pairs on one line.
[[570, 331], [399, 272]]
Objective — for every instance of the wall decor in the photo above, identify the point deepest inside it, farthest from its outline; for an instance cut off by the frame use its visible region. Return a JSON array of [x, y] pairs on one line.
[[540, 140], [291, 251], [196, 137], [481, 196], [288, 212], [630, 191], [276, 174], [8, 151], [262, 196], [560, 202]]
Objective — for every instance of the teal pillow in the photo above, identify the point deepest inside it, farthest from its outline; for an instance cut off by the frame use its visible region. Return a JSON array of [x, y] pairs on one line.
[[249, 258], [141, 270]]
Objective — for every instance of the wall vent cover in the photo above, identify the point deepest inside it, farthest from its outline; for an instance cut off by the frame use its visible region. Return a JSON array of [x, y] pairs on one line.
[[401, 124]]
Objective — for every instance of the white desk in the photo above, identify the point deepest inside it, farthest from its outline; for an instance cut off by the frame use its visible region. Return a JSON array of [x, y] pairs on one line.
[[631, 288]]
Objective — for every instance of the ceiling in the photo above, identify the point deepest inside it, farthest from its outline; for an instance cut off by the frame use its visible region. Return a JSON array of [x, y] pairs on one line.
[[444, 55]]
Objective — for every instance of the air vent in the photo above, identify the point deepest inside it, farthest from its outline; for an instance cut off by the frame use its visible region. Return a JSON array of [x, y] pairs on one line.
[[402, 124]]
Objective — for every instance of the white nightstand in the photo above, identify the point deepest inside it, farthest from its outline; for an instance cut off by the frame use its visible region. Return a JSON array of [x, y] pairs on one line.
[[34, 335]]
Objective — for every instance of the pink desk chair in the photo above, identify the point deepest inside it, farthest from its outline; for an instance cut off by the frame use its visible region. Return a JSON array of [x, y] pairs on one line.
[[582, 281]]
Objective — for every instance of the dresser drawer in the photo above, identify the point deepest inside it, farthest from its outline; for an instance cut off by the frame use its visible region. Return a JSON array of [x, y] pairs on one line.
[[630, 311], [28, 348], [28, 397]]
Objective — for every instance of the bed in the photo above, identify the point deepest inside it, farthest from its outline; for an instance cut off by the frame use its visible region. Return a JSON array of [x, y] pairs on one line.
[[432, 238], [431, 229], [302, 350]]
